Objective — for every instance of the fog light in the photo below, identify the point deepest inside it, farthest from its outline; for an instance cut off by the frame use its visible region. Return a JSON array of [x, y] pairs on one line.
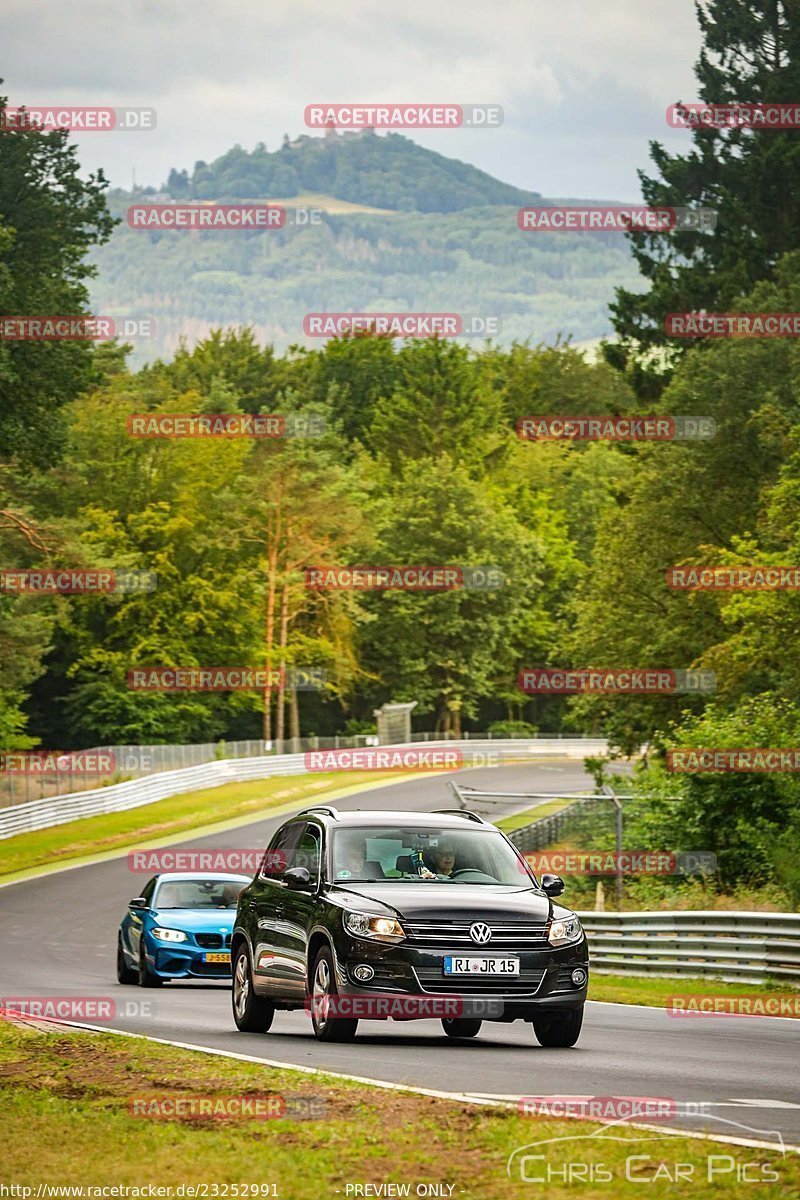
[[363, 973], [579, 977]]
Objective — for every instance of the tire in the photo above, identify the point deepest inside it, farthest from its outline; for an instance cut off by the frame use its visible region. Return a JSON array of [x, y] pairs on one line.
[[252, 1013], [145, 977], [461, 1027], [125, 974], [323, 989], [559, 1028]]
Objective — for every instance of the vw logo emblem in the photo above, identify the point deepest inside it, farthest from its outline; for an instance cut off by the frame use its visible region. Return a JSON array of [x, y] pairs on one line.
[[480, 933]]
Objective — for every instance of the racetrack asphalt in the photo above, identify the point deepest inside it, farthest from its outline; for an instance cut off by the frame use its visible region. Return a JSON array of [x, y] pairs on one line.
[[740, 1074]]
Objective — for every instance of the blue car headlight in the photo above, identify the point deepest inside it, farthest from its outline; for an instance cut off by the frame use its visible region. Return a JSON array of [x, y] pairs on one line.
[[169, 935]]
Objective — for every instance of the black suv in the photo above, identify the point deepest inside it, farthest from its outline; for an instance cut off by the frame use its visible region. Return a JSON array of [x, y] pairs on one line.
[[407, 915]]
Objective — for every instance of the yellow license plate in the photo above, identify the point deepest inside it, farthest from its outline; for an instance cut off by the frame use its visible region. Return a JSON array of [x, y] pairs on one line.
[[226, 958]]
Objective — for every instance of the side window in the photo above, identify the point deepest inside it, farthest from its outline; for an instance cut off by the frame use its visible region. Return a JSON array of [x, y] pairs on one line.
[[308, 853], [148, 889], [282, 851]]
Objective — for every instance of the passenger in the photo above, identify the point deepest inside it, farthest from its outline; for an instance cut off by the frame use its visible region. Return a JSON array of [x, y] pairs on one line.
[[352, 863]]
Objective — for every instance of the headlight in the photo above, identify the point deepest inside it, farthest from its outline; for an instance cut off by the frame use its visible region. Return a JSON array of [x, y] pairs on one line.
[[561, 933], [384, 929], [169, 935]]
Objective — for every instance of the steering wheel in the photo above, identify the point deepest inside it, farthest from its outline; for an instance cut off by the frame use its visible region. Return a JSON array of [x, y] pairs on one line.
[[472, 871]]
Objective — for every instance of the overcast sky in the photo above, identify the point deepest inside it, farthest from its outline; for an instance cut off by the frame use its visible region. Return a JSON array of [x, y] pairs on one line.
[[584, 84]]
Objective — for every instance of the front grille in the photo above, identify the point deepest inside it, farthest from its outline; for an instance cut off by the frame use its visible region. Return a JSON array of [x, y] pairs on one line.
[[431, 979], [505, 935], [212, 941]]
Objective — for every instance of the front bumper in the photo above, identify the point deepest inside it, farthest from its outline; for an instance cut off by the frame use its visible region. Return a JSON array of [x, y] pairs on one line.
[[544, 981], [178, 961]]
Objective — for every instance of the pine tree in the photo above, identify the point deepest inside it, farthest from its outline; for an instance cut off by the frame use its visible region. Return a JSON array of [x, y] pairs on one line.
[[751, 177]]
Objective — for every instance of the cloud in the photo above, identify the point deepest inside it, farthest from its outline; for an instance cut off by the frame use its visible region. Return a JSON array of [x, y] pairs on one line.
[[584, 86]]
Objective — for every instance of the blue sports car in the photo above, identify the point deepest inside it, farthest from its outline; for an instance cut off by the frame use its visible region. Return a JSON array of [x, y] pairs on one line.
[[179, 928]]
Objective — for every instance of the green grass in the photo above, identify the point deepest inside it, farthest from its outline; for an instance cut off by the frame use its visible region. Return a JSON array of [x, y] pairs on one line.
[[622, 989], [176, 815], [67, 1121], [517, 820]]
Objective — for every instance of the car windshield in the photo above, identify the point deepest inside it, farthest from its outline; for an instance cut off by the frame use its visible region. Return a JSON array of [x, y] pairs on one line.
[[409, 854], [198, 893]]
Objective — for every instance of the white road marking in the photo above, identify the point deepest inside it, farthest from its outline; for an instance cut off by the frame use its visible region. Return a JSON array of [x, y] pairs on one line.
[[731, 1103], [458, 1097]]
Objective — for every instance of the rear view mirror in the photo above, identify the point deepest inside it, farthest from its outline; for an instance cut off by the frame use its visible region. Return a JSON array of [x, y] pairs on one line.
[[137, 902], [552, 885]]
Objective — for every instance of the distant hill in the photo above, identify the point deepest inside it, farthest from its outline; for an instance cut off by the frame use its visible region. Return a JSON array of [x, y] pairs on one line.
[[381, 245], [386, 171]]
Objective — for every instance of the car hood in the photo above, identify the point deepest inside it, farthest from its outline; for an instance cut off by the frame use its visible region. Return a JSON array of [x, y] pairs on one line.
[[211, 920], [446, 901]]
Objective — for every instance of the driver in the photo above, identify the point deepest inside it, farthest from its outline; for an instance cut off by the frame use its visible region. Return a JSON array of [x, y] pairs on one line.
[[441, 859]]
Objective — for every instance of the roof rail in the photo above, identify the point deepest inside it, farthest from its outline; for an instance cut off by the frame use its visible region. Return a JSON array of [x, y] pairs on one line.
[[321, 808], [459, 812]]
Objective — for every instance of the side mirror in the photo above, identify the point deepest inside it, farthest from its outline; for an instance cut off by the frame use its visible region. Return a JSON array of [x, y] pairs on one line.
[[297, 878], [137, 902], [552, 885]]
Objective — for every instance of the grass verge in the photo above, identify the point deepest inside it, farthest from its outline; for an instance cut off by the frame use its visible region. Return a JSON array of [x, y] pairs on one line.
[[67, 1119], [655, 993], [175, 815], [517, 820]]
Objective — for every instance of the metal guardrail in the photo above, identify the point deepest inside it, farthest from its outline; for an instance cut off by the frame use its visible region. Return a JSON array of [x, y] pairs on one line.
[[549, 829], [134, 761], [40, 814], [738, 947]]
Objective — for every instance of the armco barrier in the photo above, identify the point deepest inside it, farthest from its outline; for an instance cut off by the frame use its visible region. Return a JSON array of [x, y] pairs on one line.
[[547, 830], [40, 814], [739, 947]]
